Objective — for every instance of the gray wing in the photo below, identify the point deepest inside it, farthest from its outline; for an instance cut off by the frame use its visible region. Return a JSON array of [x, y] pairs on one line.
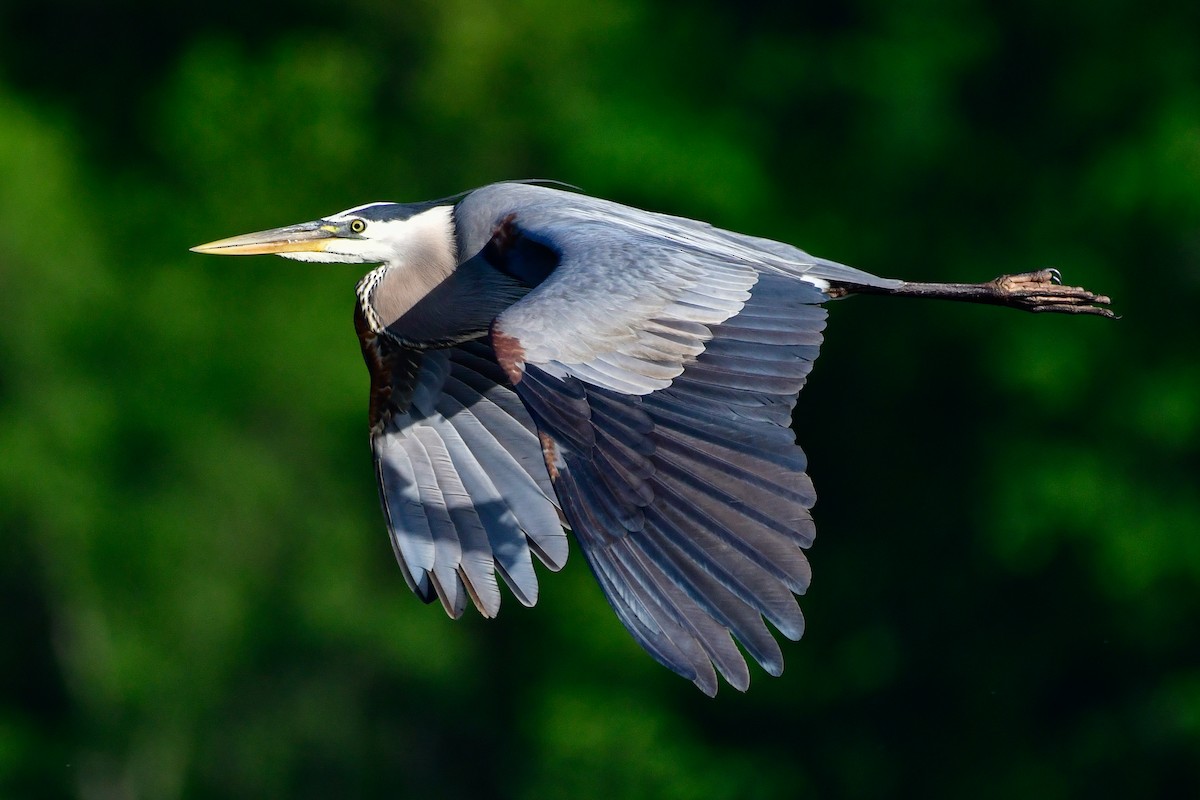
[[461, 478], [662, 370], [633, 291]]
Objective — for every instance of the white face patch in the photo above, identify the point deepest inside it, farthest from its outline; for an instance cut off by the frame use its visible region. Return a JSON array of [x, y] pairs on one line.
[[424, 237]]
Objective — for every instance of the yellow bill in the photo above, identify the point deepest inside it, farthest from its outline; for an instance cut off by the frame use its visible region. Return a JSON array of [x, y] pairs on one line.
[[307, 237]]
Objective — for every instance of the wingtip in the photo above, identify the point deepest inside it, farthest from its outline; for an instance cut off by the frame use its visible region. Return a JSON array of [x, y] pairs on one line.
[[706, 681]]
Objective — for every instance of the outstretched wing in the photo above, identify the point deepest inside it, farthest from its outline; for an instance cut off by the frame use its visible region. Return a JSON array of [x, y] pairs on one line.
[[461, 477], [661, 366]]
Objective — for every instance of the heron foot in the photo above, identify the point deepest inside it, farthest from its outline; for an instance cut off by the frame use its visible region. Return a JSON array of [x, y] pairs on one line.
[[1043, 292]]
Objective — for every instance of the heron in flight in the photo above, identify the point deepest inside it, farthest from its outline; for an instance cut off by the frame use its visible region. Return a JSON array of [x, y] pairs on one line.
[[541, 360]]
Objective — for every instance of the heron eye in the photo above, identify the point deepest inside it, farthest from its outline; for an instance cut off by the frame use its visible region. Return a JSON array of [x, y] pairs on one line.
[[357, 226]]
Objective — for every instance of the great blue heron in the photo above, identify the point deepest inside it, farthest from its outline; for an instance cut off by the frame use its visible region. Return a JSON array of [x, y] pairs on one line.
[[541, 358]]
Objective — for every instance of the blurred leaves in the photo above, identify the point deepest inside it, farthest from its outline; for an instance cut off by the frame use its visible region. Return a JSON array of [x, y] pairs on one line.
[[604, 746], [200, 594], [311, 97]]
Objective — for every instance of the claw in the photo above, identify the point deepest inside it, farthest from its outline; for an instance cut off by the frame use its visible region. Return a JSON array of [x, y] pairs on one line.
[[1058, 308], [1043, 292]]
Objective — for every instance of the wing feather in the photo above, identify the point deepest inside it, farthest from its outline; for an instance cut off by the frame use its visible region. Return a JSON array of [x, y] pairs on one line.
[[408, 524], [447, 549], [464, 488], [510, 477], [475, 568], [674, 462]]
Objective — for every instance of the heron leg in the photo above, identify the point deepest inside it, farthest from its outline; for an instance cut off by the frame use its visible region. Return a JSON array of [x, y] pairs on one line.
[[1036, 292]]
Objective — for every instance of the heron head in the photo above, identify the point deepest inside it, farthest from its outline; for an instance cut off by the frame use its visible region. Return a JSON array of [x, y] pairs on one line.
[[375, 233]]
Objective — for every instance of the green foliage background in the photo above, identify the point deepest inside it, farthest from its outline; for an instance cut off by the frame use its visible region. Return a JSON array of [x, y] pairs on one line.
[[198, 596]]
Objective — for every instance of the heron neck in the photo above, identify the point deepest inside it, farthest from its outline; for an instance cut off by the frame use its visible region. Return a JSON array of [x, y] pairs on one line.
[[461, 305]]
